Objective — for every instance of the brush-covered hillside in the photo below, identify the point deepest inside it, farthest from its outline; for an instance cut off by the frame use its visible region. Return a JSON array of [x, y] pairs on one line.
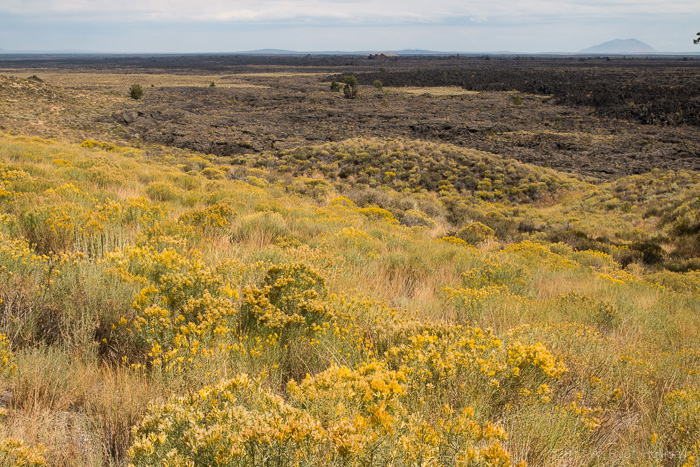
[[363, 303]]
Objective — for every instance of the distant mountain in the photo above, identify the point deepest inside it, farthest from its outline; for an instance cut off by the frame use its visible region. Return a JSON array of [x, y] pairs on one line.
[[270, 52], [339, 52], [620, 46]]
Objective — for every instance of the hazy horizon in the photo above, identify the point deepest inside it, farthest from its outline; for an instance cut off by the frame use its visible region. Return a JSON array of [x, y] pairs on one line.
[[221, 26]]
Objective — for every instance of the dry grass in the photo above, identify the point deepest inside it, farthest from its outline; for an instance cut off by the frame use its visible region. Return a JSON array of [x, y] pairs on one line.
[[121, 81], [626, 344], [81, 412], [278, 74], [436, 91]]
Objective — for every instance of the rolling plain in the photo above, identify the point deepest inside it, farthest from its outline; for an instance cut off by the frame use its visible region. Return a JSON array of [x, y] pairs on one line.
[[476, 261]]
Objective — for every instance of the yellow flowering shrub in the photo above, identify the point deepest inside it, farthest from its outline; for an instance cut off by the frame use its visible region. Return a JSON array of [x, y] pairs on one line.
[[461, 363], [7, 359], [65, 218], [594, 259], [342, 202], [216, 218], [17, 257], [679, 427], [234, 423], [584, 349], [91, 143], [455, 241], [184, 307], [350, 237], [50, 228], [539, 256], [368, 420], [603, 314], [359, 409], [14, 453], [15, 182], [533, 360], [146, 264], [291, 296], [369, 326], [163, 191], [586, 419], [372, 326], [470, 304], [142, 213], [498, 273], [456, 438], [688, 282], [442, 362], [377, 213], [338, 417], [204, 326], [475, 233]]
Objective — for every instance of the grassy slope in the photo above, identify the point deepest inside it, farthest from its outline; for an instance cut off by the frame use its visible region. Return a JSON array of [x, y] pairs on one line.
[[129, 276]]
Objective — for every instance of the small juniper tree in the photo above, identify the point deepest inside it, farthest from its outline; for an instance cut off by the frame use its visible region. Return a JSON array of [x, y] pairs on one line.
[[351, 85], [135, 91], [335, 86]]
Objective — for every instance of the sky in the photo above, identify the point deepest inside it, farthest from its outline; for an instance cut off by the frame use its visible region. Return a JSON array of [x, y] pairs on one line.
[[220, 26]]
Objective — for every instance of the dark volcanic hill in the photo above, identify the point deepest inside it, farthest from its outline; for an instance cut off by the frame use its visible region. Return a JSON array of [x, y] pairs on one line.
[[620, 46]]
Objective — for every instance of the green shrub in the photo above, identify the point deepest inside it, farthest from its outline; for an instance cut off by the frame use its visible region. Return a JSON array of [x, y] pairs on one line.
[[90, 143], [261, 227], [136, 91], [255, 424], [475, 233], [415, 218], [579, 241], [213, 173], [291, 297], [162, 191], [211, 219], [679, 422], [651, 252], [503, 227], [351, 87]]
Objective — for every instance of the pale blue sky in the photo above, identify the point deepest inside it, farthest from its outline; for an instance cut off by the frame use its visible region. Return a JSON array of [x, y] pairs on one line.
[[179, 26]]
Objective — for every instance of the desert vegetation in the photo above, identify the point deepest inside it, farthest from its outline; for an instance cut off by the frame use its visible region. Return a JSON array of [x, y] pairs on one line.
[[370, 301]]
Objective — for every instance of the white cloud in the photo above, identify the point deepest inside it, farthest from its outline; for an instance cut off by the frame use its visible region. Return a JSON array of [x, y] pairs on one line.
[[449, 25], [350, 11]]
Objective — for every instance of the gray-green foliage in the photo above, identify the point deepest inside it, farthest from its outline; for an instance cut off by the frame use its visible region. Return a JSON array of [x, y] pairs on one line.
[[351, 87], [136, 91]]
